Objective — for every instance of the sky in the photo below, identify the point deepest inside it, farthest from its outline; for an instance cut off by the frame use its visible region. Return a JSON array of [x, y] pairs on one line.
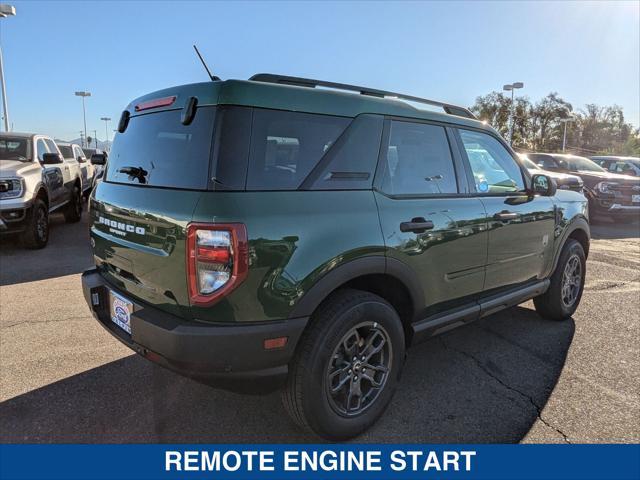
[[588, 52]]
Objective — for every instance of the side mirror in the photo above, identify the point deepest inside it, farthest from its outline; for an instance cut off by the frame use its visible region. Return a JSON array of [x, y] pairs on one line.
[[51, 158], [98, 159], [544, 185], [81, 159]]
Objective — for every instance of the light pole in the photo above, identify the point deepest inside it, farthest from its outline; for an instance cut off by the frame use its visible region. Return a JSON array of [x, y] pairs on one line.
[[84, 113], [95, 138], [5, 11], [511, 87], [106, 130], [564, 136]]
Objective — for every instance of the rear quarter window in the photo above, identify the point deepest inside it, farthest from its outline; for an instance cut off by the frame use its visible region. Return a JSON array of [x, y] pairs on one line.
[[285, 146], [162, 152]]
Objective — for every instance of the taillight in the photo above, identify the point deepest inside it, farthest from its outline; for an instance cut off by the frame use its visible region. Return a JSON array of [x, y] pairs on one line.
[[217, 260]]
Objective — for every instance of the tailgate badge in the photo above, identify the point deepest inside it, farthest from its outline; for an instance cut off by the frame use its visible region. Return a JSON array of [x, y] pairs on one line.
[[120, 228]]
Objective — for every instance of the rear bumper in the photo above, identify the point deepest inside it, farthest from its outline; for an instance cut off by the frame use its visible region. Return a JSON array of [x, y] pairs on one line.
[[226, 356]]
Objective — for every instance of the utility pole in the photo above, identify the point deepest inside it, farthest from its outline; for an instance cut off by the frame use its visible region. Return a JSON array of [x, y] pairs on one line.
[[106, 121], [512, 87], [564, 136], [95, 137], [5, 11], [84, 112]]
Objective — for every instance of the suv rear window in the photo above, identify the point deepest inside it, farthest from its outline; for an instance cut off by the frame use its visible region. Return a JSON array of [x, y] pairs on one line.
[[285, 146], [157, 150]]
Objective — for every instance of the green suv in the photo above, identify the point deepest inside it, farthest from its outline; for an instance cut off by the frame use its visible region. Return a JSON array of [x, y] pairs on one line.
[[291, 233]]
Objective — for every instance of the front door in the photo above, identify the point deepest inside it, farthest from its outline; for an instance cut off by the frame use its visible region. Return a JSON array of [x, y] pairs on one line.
[[426, 222], [520, 226], [52, 176]]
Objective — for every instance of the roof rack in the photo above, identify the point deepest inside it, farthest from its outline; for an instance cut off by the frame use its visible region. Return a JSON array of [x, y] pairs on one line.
[[308, 82]]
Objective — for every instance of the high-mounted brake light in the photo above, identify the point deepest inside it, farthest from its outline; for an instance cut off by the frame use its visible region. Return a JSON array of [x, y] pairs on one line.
[[155, 103], [217, 260]]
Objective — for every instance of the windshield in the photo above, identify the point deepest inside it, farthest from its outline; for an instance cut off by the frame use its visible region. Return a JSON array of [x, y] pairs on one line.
[[582, 164], [15, 148], [529, 164], [66, 150]]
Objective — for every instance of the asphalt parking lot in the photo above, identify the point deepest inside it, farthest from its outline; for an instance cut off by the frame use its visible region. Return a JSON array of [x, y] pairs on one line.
[[512, 377]]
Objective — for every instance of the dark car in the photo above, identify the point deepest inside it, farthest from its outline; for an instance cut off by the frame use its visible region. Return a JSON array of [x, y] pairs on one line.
[[268, 234], [619, 164], [610, 194], [563, 180]]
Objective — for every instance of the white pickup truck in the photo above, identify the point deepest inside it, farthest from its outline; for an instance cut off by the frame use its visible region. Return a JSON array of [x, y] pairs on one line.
[[36, 180], [73, 154]]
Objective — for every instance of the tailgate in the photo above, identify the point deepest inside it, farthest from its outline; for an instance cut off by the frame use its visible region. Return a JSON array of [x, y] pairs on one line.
[[139, 235]]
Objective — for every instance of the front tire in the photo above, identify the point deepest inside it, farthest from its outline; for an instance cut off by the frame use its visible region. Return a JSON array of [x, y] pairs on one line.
[[562, 298], [36, 233], [346, 366], [73, 210]]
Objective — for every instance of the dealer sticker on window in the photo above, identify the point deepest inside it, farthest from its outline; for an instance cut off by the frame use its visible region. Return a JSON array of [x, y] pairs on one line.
[[121, 310]]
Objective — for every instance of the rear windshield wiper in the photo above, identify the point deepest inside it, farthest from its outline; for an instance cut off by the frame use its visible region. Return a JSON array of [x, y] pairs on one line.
[[138, 173]]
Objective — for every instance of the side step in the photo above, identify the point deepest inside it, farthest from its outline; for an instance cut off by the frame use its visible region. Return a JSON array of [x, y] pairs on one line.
[[443, 322]]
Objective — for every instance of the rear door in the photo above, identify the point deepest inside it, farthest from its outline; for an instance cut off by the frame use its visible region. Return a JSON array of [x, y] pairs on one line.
[[156, 173], [521, 226], [427, 220]]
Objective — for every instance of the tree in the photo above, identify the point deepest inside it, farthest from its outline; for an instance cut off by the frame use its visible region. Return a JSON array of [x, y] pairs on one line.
[[539, 126]]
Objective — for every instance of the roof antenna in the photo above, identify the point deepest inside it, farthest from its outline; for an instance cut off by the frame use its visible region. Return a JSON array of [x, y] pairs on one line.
[[212, 77]]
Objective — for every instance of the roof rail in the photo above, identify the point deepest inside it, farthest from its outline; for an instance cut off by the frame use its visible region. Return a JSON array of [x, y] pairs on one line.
[[308, 82]]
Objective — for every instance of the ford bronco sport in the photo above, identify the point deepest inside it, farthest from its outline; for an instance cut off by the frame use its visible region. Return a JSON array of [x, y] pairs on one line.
[[268, 233]]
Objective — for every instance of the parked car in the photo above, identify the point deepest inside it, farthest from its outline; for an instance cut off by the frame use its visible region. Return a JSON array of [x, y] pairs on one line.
[[563, 180], [35, 181], [610, 194], [73, 153], [623, 165], [97, 167], [266, 234]]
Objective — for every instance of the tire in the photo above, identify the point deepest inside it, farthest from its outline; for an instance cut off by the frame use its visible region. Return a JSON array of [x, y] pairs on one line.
[[557, 303], [327, 347], [73, 210], [36, 233]]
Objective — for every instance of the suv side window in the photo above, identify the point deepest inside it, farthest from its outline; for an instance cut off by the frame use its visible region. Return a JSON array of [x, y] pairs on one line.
[[418, 161], [351, 163], [285, 146], [41, 148], [494, 169]]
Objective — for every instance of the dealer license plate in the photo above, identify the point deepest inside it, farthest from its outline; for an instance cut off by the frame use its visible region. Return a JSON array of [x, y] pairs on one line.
[[120, 309], [635, 198]]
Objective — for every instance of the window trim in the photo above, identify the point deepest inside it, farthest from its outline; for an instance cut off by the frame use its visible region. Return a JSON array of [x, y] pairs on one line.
[[382, 156], [314, 175], [473, 192]]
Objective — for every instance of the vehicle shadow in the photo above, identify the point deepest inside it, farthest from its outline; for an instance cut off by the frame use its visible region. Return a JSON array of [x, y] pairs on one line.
[[607, 229], [483, 383], [68, 252]]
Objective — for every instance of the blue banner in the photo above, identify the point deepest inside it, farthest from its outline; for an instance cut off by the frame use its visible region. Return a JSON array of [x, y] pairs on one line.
[[324, 462]]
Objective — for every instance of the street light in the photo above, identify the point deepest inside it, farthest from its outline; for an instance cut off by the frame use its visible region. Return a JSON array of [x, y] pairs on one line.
[[106, 129], [5, 11], [84, 113], [512, 87], [564, 137]]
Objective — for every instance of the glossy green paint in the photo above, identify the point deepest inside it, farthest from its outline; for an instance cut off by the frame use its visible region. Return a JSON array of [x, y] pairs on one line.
[[450, 258], [295, 238], [152, 266]]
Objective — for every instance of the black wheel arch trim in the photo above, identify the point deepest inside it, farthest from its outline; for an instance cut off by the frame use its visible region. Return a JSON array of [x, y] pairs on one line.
[[577, 223], [375, 264]]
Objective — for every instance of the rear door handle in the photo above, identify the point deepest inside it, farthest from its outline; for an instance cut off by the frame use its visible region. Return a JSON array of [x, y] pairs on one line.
[[416, 225], [504, 216]]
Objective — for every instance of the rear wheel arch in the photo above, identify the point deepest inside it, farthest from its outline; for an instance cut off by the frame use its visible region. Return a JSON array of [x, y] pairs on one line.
[[388, 278]]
